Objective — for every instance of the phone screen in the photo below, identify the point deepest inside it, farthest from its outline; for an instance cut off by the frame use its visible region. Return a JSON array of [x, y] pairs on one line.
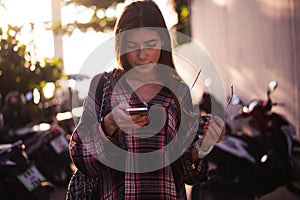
[[137, 111]]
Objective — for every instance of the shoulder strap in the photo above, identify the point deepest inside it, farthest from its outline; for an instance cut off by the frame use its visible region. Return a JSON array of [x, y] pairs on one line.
[[104, 95]]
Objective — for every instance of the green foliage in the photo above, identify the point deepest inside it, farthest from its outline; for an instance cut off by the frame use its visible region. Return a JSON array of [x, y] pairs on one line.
[[96, 23], [99, 4], [18, 71], [106, 23], [183, 26], [99, 25]]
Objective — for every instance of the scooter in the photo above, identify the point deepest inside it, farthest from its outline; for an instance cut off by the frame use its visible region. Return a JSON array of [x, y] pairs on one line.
[[47, 145], [49, 149], [256, 158], [294, 185], [20, 178]]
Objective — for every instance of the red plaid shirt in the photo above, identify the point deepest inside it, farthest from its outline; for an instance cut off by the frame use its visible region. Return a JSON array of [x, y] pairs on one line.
[[89, 149]]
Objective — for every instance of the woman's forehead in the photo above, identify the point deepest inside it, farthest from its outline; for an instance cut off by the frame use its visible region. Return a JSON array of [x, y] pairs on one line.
[[141, 35]]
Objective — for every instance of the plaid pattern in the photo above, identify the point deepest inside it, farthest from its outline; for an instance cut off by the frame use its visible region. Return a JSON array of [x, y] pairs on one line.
[[88, 146], [76, 189]]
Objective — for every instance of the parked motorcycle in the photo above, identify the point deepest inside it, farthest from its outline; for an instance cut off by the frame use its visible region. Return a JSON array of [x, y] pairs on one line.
[[294, 185], [19, 177], [47, 146], [256, 158]]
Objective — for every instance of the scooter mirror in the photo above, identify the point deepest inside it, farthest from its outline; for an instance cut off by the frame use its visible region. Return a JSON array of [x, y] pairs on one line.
[[272, 86]]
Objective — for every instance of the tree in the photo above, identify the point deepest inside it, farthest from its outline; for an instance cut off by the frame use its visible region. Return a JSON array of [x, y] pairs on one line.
[[18, 70], [97, 22], [183, 25], [104, 22]]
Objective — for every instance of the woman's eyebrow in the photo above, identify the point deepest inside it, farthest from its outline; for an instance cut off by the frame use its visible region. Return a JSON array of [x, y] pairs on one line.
[[147, 41], [152, 40]]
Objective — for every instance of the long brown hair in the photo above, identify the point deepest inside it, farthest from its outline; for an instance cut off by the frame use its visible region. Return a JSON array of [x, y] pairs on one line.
[[140, 14]]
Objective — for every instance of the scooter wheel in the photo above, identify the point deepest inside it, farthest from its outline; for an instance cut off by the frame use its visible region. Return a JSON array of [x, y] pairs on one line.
[[294, 187]]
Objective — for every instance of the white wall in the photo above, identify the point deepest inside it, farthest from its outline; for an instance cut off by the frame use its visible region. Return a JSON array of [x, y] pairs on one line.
[[253, 42]]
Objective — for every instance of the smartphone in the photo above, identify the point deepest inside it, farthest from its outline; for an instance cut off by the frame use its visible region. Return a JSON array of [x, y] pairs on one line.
[[137, 111], [206, 118]]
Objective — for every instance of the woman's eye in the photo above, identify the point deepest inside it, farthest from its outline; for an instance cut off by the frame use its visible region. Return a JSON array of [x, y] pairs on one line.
[[132, 46], [151, 44]]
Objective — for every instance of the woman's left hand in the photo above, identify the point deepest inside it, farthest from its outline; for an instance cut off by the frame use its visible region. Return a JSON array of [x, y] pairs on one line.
[[214, 131]]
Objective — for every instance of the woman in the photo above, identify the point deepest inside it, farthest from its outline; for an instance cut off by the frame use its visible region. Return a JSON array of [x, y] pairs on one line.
[[148, 155]]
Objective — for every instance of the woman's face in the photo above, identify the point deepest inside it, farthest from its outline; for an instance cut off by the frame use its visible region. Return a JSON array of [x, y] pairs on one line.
[[143, 47]]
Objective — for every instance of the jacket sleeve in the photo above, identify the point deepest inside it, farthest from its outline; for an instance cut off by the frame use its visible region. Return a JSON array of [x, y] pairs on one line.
[[194, 172], [88, 141]]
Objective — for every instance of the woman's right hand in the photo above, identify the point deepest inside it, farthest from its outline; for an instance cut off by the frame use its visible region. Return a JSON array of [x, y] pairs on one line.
[[119, 118]]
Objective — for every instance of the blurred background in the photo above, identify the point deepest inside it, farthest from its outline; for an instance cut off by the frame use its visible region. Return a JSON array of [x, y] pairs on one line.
[[45, 43], [250, 42]]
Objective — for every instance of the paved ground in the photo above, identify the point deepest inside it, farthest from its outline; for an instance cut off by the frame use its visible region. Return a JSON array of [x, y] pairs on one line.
[[279, 194]]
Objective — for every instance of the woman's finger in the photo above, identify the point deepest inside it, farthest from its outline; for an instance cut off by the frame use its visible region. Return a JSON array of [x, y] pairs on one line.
[[215, 129]]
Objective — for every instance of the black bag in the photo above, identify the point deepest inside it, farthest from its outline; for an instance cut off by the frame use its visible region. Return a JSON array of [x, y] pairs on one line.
[[82, 186]]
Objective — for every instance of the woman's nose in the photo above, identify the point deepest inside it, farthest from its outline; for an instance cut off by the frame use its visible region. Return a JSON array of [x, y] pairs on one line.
[[142, 53]]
